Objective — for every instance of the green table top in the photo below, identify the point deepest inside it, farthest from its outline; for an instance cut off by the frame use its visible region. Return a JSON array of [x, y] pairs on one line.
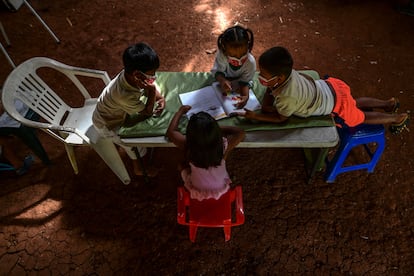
[[173, 83]]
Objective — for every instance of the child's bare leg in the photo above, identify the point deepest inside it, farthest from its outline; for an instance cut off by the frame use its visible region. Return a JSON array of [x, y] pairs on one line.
[[139, 168], [140, 165], [367, 103], [373, 117]]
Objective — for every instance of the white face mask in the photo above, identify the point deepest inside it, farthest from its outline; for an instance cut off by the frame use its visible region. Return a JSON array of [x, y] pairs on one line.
[[149, 78], [265, 82], [237, 62]]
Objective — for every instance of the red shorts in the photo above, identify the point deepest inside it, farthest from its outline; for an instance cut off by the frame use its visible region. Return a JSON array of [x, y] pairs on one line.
[[345, 105]]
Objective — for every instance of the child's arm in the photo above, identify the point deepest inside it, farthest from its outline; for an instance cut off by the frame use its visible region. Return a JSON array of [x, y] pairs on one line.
[[267, 103], [269, 112], [234, 136], [225, 84], [160, 102], [244, 96], [173, 134], [149, 106], [218, 70], [271, 117], [144, 114]]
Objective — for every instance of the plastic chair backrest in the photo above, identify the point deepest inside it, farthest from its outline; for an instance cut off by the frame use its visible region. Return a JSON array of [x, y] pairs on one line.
[[227, 211], [211, 212], [25, 84]]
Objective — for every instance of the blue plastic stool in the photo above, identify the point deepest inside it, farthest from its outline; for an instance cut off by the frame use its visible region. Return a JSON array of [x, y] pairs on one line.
[[351, 137]]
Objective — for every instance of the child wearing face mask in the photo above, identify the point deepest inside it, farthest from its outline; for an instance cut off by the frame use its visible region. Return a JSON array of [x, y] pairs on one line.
[[291, 93], [234, 61], [122, 101]]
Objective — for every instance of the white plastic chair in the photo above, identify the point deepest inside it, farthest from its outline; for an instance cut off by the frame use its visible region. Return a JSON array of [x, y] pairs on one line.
[[14, 5], [8, 44], [70, 125]]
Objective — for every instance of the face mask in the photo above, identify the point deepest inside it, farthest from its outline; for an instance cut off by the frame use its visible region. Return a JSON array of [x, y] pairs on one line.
[[265, 82], [149, 78], [237, 62], [274, 87]]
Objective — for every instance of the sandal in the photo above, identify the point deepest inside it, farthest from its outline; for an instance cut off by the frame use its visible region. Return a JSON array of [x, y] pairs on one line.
[[398, 128]]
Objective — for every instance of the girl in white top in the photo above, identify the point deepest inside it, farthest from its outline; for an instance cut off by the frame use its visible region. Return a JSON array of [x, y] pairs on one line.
[[291, 93], [234, 61]]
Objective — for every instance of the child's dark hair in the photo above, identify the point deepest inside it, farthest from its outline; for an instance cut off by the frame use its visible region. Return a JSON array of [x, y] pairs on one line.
[[277, 61], [204, 145], [236, 37], [140, 57]]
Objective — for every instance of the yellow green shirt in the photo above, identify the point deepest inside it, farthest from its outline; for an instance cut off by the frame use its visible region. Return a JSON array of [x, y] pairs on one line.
[[302, 96]]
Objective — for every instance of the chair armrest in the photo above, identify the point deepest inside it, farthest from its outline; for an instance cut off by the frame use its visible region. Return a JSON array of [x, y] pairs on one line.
[[73, 76], [73, 72], [239, 205]]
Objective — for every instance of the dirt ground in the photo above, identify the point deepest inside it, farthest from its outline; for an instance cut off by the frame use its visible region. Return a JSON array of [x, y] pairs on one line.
[[53, 222]]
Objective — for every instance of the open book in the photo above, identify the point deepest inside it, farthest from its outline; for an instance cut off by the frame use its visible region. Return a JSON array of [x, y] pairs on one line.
[[211, 100]]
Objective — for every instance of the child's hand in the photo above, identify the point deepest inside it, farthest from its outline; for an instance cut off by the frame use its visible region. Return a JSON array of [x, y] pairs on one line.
[[159, 107], [160, 103], [145, 85], [241, 102], [184, 109], [225, 86], [248, 114]]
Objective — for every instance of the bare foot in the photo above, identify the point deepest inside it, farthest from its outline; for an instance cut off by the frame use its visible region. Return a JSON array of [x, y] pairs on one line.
[[401, 118], [401, 124], [393, 105]]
